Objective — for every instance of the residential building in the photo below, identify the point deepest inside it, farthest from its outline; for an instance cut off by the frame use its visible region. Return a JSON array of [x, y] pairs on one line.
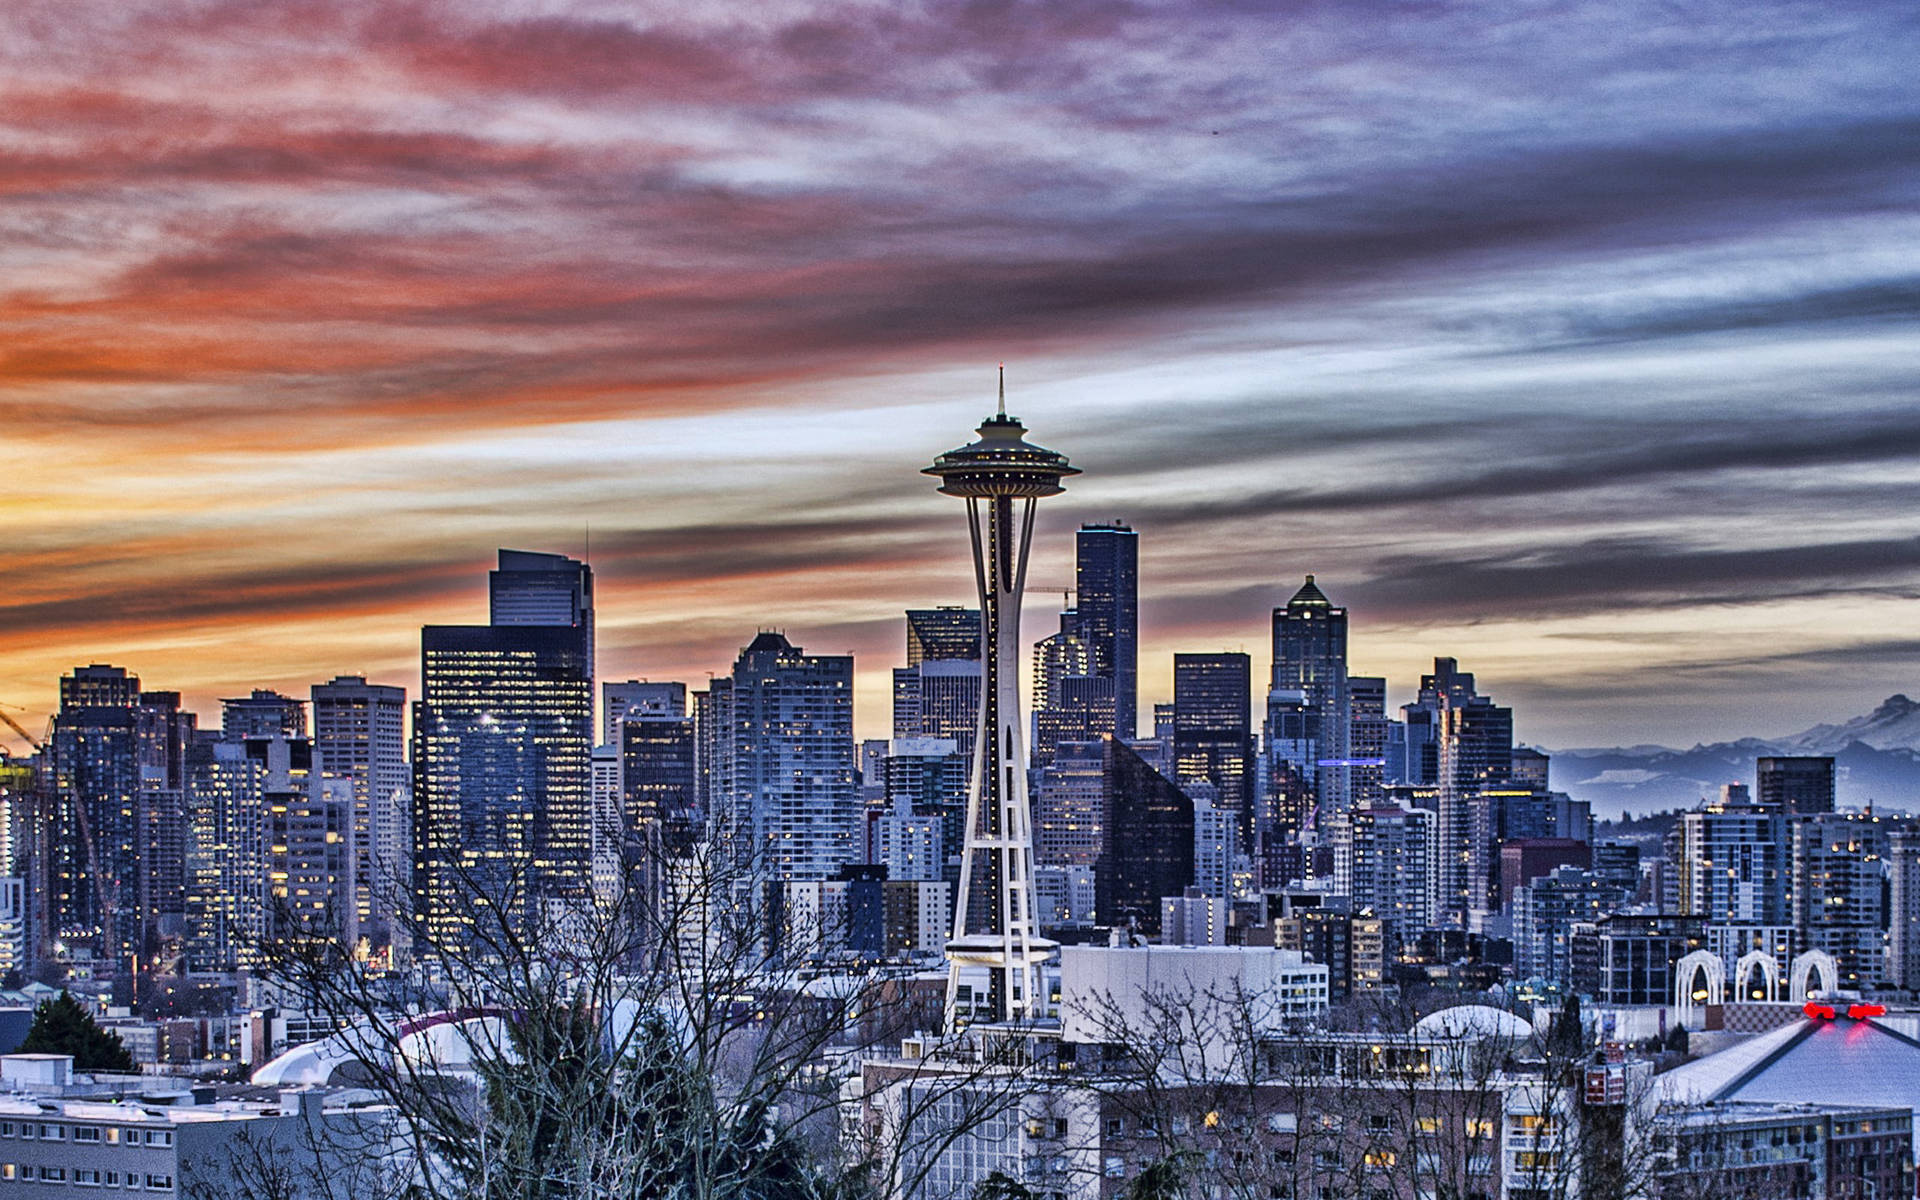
[[359, 738], [791, 810]]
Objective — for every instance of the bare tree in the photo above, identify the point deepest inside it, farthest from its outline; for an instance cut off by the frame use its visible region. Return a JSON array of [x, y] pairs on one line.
[[675, 1040]]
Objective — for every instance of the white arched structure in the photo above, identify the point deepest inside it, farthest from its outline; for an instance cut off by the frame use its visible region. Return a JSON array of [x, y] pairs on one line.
[[1769, 970], [1804, 965], [1685, 972]]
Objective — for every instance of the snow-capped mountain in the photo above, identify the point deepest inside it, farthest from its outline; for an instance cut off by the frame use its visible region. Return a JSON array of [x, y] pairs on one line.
[[1876, 760]]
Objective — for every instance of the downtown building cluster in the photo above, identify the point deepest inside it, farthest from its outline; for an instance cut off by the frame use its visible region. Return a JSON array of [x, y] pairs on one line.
[[1035, 873], [1407, 847]]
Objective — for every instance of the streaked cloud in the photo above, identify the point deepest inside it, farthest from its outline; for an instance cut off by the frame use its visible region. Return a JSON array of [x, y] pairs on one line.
[[1577, 337]]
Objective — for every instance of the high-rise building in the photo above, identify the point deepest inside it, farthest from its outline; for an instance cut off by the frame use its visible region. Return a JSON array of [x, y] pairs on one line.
[[791, 810], [626, 699], [226, 859], [1107, 603], [23, 940], [263, 713], [1836, 893], [657, 772], [1390, 871], [940, 698], [311, 861], [1216, 848], [115, 843], [1309, 712], [1731, 864], [1545, 911], [1802, 785], [503, 743], [359, 738], [1903, 903], [1000, 476], [609, 826], [1079, 709], [1212, 738], [1147, 842], [1367, 732], [1069, 805], [911, 845], [542, 589], [1471, 744], [1071, 701], [947, 633]]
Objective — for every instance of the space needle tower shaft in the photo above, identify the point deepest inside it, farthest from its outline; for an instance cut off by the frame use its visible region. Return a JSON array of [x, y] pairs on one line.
[[1000, 476]]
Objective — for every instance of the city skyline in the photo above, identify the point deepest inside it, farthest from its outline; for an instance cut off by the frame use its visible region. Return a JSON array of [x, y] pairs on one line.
[[1577, 349]]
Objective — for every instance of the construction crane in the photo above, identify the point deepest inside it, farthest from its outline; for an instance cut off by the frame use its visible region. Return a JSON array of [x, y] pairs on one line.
[[26, 737]]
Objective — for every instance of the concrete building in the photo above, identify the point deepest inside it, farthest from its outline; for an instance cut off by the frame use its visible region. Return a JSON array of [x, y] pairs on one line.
[[790, 810], [64, 1135], [1837, 891], [1389, 856], [359, 737]]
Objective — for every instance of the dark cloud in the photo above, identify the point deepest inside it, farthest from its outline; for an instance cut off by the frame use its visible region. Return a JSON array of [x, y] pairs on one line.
[[1620, 573], [1390, 260]]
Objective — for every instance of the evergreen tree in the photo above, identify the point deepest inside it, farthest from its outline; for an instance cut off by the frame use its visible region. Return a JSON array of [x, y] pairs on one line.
[[61, 1026], [1001, 1186]]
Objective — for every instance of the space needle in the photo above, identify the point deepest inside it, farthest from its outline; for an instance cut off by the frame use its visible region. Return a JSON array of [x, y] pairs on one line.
[[999, 476]]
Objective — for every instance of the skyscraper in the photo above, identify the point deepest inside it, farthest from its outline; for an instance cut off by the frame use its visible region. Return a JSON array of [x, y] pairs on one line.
[[1147, 842], [359, 739], [263, 713], [1802, 785], [542, 589], [114, 845], [226, 858], [1072, 702], [949, 633], [1212, 737], [1000, 476], [1367, 732], [784, 743], [657, 773], [631, 698], [940, 698], [1309, 712], [503, 741], [1472, 754], [1107, 608]]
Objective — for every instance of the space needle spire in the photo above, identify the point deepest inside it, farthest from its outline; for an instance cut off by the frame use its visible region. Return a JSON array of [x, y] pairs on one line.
[[1000, 476]]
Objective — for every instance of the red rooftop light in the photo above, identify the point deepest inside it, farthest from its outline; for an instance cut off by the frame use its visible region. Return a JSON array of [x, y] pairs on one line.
[[1819, 1012], [1857, 1011]]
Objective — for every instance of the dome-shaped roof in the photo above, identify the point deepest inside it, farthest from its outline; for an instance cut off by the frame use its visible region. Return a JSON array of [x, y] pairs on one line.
[[1473, 1021]]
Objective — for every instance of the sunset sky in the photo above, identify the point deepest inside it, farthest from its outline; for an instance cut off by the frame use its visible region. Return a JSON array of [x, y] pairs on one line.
[[1574, 340]]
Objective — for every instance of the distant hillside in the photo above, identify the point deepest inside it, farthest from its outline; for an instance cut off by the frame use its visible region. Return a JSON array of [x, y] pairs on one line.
[[1877, 759], [1648, 831]]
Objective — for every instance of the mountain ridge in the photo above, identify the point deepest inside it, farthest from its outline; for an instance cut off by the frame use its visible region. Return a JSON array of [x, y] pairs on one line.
[[1876, 761]]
